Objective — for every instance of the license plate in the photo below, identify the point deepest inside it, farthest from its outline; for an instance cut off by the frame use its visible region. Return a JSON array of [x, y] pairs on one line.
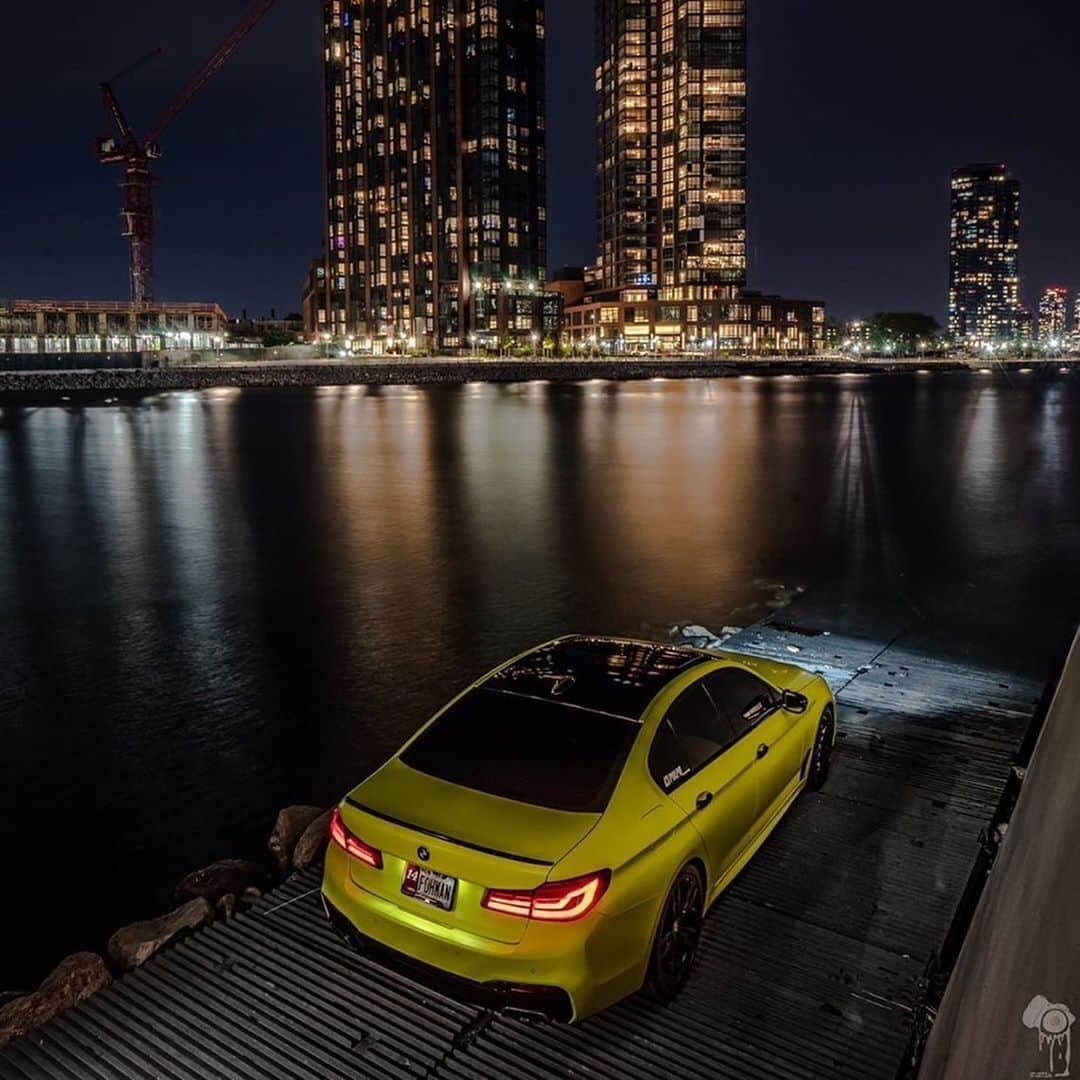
[[435, 889]]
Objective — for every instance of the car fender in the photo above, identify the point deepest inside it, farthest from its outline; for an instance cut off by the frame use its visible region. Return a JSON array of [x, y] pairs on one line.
[[648, 877]]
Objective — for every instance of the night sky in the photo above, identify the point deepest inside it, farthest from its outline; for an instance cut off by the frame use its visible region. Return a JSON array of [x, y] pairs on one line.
[[858, 112]]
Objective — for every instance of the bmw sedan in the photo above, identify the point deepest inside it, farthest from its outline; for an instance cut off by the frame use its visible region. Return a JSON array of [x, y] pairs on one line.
[[551, 840]]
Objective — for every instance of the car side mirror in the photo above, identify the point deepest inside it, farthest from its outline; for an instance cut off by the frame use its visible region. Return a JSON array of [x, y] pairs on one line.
[[792, 702]]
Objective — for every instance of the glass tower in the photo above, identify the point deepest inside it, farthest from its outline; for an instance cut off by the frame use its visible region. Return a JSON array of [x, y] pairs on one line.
[[1054, 314], [436, 221], [984, 255], [671, 145]]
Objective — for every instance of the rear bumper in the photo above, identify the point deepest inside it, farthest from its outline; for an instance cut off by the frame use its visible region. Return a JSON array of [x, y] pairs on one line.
[[560, 971], [544, 1003]]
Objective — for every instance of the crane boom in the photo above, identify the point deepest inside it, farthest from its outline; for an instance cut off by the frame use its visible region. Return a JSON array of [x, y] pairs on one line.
[[133, 67], [210, 68], [112, 107], [135, 154]]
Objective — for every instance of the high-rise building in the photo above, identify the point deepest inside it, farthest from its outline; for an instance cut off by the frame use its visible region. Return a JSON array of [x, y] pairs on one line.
[[671, 141], [671, 131], [1054, 314], [984, 255], [436, 221]]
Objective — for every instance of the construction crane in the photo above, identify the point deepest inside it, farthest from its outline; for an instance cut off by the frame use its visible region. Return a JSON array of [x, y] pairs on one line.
[[135, 154]]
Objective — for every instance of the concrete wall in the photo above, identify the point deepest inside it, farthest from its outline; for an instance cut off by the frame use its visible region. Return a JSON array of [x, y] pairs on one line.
[[68, 361], [1007, 1009]]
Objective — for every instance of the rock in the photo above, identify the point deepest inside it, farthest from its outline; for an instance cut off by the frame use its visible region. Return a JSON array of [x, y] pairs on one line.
[[132, 946], [310, 846], [221, 878], [72, 981], [226, 907], [289, 827]]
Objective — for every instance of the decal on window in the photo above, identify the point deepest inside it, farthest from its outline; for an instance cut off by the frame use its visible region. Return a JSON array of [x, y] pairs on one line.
[[675, 774]]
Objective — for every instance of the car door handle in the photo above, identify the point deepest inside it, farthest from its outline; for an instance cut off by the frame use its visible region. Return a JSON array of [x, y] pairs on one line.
[[704, 799], [762, 750]]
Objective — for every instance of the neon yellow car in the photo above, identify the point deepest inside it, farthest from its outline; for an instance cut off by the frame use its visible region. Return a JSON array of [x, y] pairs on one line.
[[552, 839]]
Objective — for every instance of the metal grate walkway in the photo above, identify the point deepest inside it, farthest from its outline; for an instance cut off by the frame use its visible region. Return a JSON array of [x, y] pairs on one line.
[[808, 963]]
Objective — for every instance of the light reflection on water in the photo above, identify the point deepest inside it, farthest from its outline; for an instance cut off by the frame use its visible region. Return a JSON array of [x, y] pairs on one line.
[[218, 603]]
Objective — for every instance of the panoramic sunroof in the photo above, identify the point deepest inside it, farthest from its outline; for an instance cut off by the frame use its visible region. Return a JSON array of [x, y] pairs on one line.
[[605, 674]]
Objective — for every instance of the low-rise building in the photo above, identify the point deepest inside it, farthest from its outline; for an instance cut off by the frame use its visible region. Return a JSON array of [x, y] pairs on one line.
[[641, 320], [569, 283], [107, 326], [261, 329]]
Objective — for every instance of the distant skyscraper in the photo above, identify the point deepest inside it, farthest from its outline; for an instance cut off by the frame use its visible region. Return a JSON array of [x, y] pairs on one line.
[[984, 254], [1054, 314], [671, 134], [435, 172]]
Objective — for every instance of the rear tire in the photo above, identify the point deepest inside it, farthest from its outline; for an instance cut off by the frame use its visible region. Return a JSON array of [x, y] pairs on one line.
[[677, 936], [821, 755]]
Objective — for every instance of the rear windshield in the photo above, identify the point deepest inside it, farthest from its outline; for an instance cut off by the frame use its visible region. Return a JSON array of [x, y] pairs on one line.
[[539, 752]]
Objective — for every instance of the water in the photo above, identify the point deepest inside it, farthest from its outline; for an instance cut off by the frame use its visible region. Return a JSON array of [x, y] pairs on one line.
[[215, 604]]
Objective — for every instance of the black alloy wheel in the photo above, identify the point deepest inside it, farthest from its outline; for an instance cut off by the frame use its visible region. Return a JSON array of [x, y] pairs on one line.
[[822, 753], [677, 936]]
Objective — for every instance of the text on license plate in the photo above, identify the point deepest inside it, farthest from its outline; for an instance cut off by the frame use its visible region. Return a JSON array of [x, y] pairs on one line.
[[435, 889]]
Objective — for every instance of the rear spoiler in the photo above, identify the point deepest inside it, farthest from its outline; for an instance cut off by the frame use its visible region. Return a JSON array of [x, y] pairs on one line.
[[443, 836]]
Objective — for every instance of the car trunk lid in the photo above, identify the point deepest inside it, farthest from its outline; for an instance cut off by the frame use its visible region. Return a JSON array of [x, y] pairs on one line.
[[482, 841]]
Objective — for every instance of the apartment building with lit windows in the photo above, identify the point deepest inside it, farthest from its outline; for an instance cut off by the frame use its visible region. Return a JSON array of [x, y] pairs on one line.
[[671, 146], [984, 255], [671, 133], [436, 221], [1054, 314]]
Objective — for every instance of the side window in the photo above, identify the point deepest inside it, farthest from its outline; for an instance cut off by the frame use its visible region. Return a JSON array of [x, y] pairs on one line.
[[741, 698], [668, 762], [692, 733]]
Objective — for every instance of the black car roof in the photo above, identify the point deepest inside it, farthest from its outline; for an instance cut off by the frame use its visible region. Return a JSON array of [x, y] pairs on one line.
[[609, 675]]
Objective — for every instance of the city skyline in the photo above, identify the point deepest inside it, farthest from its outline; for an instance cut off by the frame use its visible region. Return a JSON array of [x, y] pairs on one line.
[[836, 138]]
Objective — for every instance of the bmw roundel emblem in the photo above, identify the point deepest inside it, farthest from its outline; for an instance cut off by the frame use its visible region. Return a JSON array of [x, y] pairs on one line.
[[423, 854]]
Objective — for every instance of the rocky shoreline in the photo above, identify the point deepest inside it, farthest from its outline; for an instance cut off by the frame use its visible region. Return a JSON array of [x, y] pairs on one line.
[[20, 386], [216, 893]]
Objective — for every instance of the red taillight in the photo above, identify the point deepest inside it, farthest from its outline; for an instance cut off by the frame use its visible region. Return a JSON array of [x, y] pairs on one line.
[[350, 842], [558, 901]]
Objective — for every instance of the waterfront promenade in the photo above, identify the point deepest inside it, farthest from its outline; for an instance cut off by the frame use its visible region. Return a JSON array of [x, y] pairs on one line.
[[23, 385]]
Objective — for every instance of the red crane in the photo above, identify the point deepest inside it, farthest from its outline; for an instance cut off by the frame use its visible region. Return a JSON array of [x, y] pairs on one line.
[[135, 154]]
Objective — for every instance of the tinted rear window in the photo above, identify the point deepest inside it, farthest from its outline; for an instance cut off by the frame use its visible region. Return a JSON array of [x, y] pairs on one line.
[[539, 752]]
